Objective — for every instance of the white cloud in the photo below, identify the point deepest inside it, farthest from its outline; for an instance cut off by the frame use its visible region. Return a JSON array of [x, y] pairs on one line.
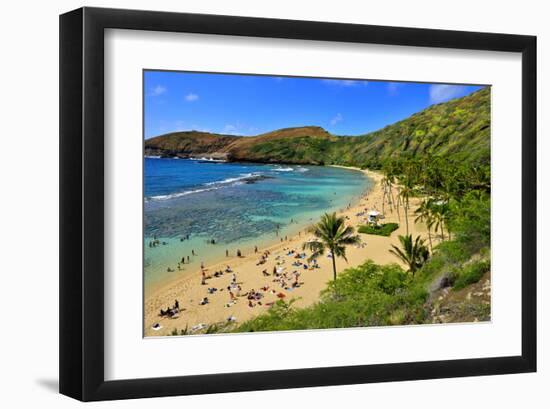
[[444, 92], [336, 119], [344, 83], [191, 97], [158, 90]]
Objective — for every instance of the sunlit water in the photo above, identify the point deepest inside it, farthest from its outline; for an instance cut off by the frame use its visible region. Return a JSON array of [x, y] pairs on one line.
[[237, 205]]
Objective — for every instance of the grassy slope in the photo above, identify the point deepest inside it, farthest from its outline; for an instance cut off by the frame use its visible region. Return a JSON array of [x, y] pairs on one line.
[[460, 127]]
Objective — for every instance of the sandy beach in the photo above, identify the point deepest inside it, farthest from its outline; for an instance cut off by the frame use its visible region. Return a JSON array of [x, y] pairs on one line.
[[247, 273]]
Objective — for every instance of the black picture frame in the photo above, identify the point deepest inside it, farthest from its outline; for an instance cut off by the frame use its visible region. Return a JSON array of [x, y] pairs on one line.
[[82, 199]]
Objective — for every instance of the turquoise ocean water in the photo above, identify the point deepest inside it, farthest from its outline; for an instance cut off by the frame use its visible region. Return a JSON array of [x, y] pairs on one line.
[[189, 203]]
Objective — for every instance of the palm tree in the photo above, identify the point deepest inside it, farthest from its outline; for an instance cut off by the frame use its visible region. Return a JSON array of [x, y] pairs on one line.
[[397, 203], [331, 233], [413, 254], [405, 193], [441, 211], [425, 215]]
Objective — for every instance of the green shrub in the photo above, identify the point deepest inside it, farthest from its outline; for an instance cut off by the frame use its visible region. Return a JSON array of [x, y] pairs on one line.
[[471, 274], [382, 230]]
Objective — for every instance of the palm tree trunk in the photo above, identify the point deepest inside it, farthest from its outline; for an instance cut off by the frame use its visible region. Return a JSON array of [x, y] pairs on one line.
[[430, 240], [406, 208], [390, 197], [383, 199], [334, 264], [442, 233], [397, 208]]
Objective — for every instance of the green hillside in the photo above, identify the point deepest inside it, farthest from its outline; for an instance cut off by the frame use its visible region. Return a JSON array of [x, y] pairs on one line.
[[458, 129]]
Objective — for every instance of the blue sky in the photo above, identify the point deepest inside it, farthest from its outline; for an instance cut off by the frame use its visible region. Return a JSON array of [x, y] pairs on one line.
[[250, 105]]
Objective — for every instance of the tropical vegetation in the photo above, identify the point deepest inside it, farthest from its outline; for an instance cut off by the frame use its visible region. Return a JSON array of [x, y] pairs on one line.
[[413, 252], [385, 229], [331, 233]]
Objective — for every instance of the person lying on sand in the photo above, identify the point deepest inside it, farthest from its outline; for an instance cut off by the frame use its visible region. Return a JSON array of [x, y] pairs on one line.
[[170, 312], [204, 301], [253, 295]]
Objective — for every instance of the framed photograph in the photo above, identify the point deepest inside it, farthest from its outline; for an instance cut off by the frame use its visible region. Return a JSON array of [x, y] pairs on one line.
[[252, 204]]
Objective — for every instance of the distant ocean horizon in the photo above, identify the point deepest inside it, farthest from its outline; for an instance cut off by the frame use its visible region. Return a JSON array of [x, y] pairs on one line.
[[190, 203]]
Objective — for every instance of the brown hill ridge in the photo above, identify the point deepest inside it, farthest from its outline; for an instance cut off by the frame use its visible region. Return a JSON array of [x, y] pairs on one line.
[[188, 144]]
